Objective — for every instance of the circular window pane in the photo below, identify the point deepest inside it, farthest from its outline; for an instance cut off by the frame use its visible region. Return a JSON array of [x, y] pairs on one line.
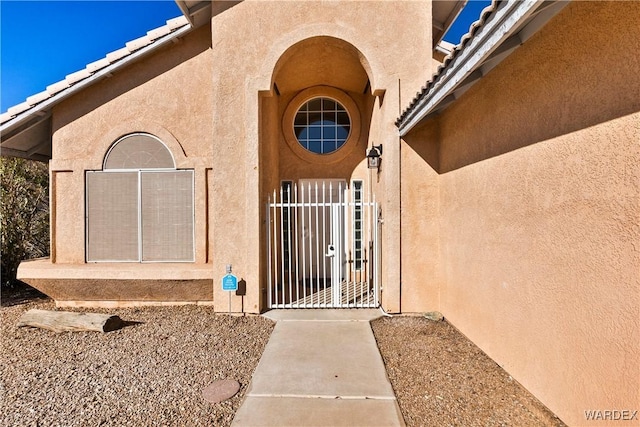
[[322, 125]]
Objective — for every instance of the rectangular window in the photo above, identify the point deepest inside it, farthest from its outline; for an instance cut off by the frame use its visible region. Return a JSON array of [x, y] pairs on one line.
[[356, 189], [140, 216], [167, 216], [112, 216]]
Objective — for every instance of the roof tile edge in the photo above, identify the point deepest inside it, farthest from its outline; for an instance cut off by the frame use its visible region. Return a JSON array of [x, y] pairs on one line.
[[464, 41], [54, 89]]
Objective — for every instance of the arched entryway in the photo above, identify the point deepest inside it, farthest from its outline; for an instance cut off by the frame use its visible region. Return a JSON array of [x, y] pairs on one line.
[[321, 224]]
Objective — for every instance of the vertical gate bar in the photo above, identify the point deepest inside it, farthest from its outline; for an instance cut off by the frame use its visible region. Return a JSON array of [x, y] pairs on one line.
[[304, 290], [269, 301], [345, 241], [297, 234], [348, 234], [281, 266], [366, 218], [343, 244], [289, 238], [274, 252], [363, 253], [337, 291], [330, 207], [370, 255], [364, 245], [352, 234], [324, 241], [376, 227], [304, 247], [370, 249], [357, 207], [336, 245], [357, 283], [275, 245], [364, 264], [373, 224], [317, 209]]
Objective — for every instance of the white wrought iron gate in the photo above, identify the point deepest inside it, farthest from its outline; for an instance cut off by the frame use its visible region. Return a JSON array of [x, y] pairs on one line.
[[322, 246]]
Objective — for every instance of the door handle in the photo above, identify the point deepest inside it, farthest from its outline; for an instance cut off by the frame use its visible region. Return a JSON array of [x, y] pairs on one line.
[[331, 251]]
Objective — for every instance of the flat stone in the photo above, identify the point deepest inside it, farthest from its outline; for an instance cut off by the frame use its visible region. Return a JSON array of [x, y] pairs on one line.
[[317, 315], [220, 390], [296, 412], [436, 316], [320, 368], [332, 359]]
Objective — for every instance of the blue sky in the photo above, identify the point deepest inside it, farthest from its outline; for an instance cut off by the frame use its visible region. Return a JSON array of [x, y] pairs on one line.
[[469, 15], [43, 41]]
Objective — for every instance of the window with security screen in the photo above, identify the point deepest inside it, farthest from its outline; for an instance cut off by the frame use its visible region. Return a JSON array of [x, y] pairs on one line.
[[139, 207]]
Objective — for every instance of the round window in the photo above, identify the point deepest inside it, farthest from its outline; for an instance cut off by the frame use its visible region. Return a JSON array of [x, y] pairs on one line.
[[322, 125]]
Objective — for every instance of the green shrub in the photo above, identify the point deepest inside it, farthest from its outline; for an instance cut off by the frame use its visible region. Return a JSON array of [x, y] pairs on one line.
[[24, 214]]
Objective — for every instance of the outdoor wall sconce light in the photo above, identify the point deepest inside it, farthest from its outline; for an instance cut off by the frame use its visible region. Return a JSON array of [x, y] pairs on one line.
[[373, 157]]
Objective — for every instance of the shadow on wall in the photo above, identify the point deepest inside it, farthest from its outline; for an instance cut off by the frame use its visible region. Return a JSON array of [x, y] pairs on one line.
[[562, 80]]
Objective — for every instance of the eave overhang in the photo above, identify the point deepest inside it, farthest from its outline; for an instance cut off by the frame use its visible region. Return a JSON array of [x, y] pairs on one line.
[[25, 129], [502, 28], [443, 14], [197, 12]]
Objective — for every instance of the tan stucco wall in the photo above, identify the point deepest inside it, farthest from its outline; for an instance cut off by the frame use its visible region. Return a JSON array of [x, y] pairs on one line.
[[539, 191], [421, 266], [218, 111], [167, 94], [392, 46]]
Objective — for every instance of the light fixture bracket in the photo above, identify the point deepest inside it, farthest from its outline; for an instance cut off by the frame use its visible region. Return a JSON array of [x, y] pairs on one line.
[[374, 157]]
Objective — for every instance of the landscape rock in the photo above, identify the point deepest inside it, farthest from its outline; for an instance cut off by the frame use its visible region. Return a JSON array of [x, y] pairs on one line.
[[436, 316], [149, 373]]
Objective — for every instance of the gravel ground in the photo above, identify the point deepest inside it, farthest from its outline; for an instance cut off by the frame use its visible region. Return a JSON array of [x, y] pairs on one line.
[[443, 379], [148, 373], [153, 371]]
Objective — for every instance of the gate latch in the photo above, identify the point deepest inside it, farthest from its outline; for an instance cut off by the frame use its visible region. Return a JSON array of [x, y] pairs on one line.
[[331, 251]]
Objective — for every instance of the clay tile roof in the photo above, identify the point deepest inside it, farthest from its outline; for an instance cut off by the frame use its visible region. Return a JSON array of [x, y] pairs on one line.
[[112, 59], [25, 129], [503, 27], [464, 41]]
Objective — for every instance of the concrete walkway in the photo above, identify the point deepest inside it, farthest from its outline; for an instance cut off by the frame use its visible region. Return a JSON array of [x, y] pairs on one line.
[[320, 368]]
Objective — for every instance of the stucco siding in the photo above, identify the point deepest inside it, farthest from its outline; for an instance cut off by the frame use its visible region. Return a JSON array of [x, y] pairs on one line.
[[421, 258], [391, 47], [170, 88], [541, 266], [167, 94], [539, 201]]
